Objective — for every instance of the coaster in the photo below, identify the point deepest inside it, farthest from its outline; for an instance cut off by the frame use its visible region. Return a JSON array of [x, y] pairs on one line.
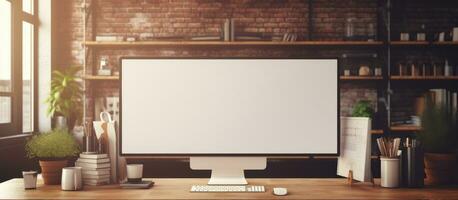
[[139, 185]]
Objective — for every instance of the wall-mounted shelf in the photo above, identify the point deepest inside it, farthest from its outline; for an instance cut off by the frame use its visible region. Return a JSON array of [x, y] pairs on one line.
[[423, 43], [376, 132], [424, 78], [361, 78], [373, 157], [101, 78], [221, 43], [405, 128], [446, 43], [409, 43]]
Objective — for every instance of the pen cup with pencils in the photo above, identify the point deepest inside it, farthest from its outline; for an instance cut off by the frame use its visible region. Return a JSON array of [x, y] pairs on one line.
[[389, 162]]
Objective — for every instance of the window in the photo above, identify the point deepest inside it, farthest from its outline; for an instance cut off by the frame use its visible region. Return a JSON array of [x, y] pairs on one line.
[[27, 6], [27, 76], [17, 66], [5, 63]]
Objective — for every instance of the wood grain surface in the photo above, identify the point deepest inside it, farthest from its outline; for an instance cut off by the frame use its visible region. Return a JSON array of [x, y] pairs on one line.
[[179, 189]]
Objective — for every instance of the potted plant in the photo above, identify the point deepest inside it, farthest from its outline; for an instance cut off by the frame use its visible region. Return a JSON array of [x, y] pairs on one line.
[[363, 109], [65, 100], [53, 150], [439, 140]]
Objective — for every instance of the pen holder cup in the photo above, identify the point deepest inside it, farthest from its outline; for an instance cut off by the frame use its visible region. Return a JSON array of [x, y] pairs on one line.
[[389, 172]]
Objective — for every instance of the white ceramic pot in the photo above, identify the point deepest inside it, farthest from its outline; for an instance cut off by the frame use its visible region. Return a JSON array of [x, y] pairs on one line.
[[389, 172], [72, 178], [30, 179], [134, 172]]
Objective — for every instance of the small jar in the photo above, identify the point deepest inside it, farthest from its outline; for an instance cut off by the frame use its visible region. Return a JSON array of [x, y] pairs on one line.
[[30, 179], [349, 28], [378, 71], [364, 70]]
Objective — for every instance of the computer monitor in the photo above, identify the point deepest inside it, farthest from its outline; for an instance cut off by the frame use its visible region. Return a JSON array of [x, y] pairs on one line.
[[229, 114]]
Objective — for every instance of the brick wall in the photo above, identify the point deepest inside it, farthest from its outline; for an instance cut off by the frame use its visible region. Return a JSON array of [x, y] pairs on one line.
[[330, 15], [204, 17]]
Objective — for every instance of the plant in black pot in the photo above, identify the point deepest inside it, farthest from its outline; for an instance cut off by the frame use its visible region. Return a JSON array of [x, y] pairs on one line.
[[439, 139], [53, 150], [65, 100]]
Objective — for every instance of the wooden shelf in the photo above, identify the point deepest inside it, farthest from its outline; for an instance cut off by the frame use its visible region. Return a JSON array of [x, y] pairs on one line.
[[423, 43], [446, 43], [222, 43], [424, 77], [376, 132], [409, 43], [361, 78], [405, 128], [101, 78]]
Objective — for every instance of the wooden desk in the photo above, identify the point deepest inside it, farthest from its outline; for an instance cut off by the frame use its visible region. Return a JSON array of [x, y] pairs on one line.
[[179, 189]]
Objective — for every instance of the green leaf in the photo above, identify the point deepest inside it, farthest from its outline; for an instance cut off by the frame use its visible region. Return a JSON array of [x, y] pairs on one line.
[[363, 109], [66, 92], [58, 143]]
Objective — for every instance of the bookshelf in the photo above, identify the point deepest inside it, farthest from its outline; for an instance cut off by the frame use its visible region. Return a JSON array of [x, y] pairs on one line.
[[431, 78], [423, 43], [379, 83], [101, 78], [376, 132], [409, 43], [139, 44], [349, 78], [446, 43], [405, 128]]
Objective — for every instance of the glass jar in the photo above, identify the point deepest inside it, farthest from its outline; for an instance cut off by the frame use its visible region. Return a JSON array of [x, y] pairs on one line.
[[350, 28], [371, 32]]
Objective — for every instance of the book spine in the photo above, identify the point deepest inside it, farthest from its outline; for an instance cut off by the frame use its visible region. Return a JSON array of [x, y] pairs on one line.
[[92, 166]]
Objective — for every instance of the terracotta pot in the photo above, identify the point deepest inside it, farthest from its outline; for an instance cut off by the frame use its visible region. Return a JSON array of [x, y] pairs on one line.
[[52, 171], [439, 168]]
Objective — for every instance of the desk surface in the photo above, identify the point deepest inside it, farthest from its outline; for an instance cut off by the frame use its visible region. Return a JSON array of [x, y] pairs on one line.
[[179, 189]]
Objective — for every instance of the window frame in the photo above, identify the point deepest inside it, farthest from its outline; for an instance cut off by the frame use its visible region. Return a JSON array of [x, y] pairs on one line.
[[18, 16]]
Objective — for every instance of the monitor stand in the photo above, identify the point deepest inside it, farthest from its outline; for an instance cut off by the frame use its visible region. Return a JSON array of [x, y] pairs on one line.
[[228, 170]]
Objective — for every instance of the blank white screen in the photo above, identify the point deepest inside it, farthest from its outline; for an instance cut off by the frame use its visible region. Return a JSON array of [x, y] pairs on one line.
[[229, 106]]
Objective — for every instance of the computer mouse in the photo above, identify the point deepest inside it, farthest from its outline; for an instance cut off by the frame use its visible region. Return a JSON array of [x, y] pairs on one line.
[[280, 191]]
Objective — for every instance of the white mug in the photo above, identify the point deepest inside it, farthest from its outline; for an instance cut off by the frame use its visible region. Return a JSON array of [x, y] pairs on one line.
[[30, 179], [455, 34], [134, 173], [389, 176], [72, 178], [378, 71], [441, 37]]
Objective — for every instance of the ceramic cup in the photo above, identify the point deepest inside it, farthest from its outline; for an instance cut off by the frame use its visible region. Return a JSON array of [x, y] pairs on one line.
[[455, 34], [30, 179], [378, 71], [134, 173], [72, 178], [389, 172]]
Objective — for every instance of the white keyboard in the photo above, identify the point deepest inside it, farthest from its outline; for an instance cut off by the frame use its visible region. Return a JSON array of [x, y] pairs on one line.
[[225, 188]]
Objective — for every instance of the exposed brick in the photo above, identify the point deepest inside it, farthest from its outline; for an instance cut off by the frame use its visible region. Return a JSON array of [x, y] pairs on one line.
[[205, 17]]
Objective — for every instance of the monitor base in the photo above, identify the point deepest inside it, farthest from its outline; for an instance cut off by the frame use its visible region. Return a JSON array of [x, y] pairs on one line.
[[228, 170], [227, 177]]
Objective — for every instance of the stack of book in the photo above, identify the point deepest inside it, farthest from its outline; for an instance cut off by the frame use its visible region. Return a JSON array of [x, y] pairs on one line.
[[95, 168]]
